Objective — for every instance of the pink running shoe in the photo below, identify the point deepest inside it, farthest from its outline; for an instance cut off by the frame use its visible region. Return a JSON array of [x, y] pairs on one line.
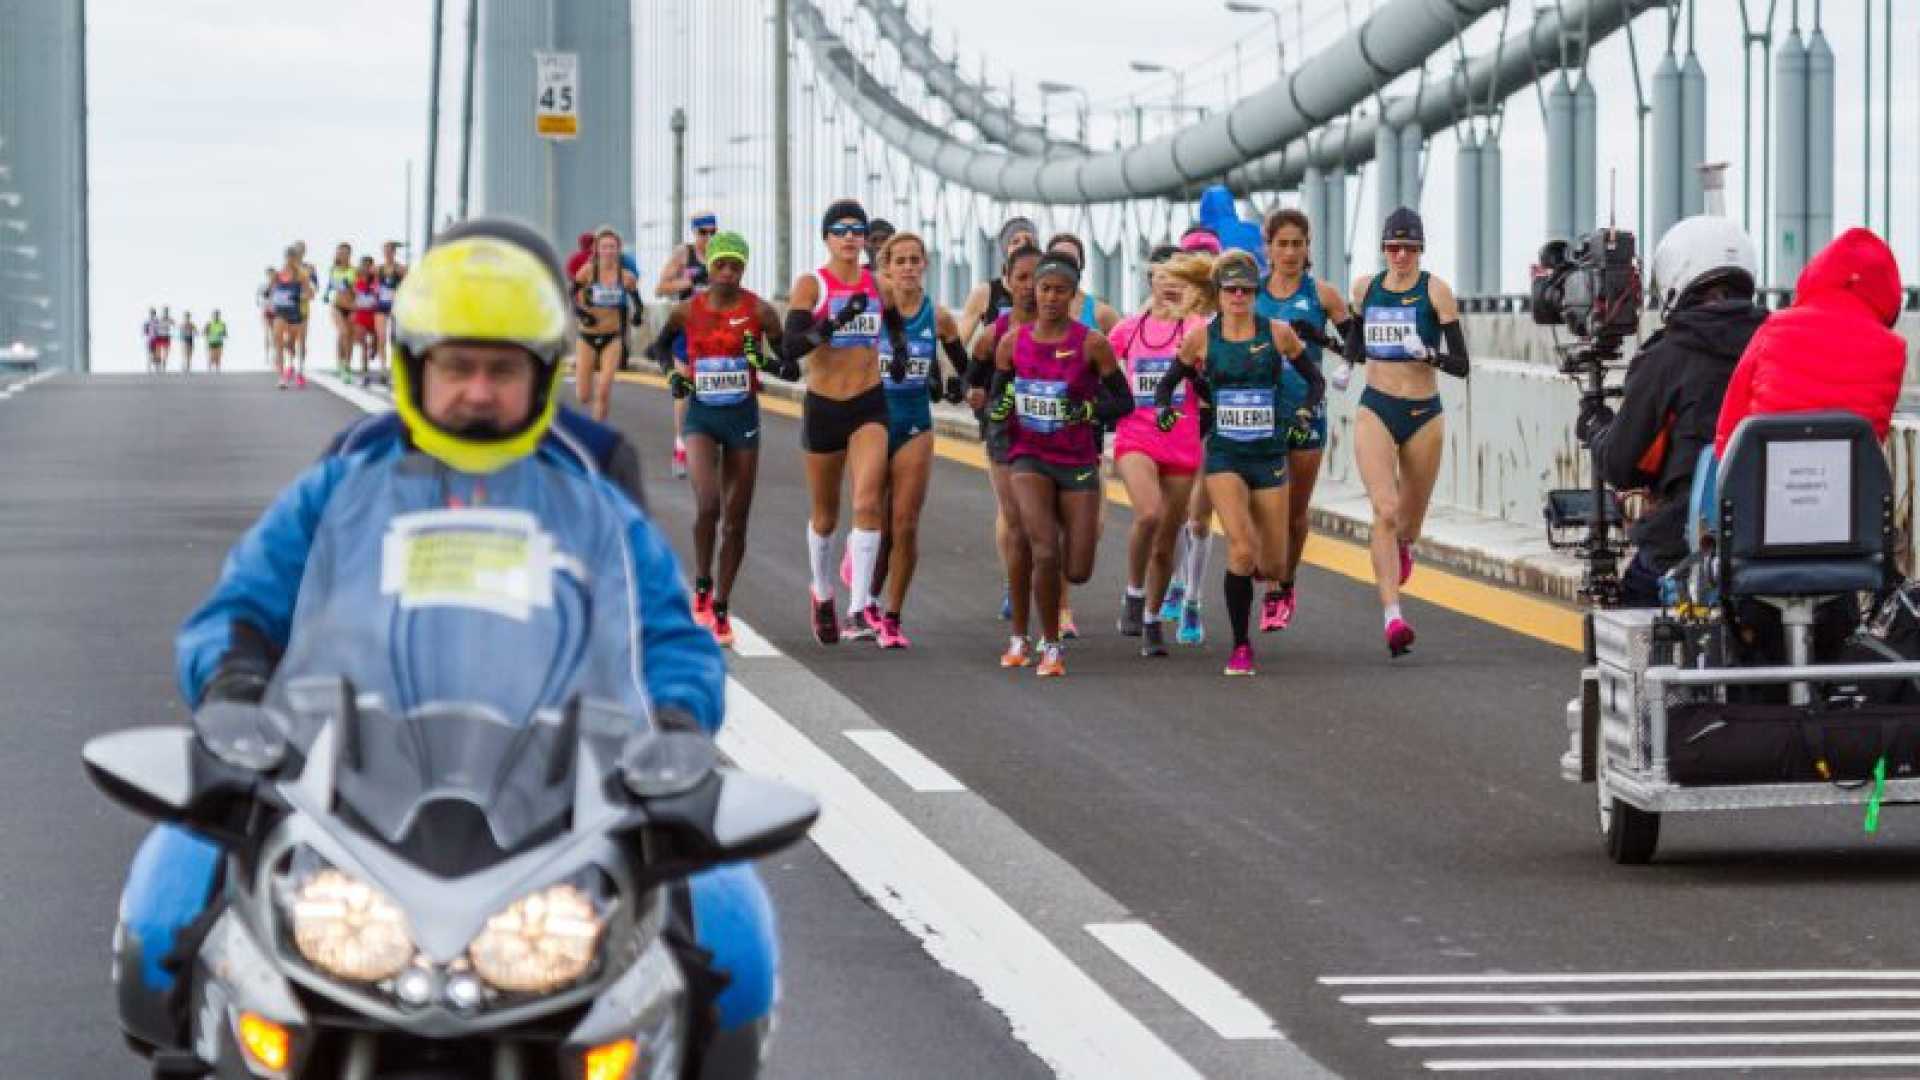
[[1399, 637], [1406, 561], [846, 567], [890, 636], [873, 616], [1241, 662], [679, 460], [300, 380], [1276, 610]]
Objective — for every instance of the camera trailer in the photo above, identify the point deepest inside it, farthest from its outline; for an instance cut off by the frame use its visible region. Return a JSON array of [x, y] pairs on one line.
[[1676, 714]]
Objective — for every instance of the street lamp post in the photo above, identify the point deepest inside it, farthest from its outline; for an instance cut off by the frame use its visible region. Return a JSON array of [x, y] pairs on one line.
[[1049, 88], [1242, 7], [1147, 67]]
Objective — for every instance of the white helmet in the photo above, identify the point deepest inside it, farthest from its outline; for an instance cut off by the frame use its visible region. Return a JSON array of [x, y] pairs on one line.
[[1702, 249]]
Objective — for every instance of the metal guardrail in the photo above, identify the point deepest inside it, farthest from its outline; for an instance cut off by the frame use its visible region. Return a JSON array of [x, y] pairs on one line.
[[1521, 303]]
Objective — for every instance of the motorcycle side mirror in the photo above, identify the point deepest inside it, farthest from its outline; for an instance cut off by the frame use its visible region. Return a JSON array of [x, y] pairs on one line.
[[756, 815], [147, 770], [242, 735]]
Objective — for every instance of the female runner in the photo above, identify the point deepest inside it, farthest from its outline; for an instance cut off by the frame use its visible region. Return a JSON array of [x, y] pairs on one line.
[[216, 340], [390, 273], [366, 312], [1057, 383], [605, 296], [340, 300], [1015, 554], [1242, 357], [291, 289], [187, 332]]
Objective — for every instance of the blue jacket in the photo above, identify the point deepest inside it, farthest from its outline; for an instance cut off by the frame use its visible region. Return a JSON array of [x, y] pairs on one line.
[[1218, 212], [317, 558]]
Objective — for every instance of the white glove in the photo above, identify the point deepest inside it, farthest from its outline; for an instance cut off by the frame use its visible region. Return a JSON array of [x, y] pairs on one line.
[[1417, 349], [1342, 375]]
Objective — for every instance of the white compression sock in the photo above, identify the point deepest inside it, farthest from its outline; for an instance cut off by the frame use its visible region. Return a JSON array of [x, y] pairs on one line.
[[1392, 613], [1181, 547], [865, 545], [1201, 547], [820, 561]]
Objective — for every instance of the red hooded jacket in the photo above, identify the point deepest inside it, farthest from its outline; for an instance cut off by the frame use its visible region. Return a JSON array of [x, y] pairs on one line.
[[580, 256], [1833, 349]]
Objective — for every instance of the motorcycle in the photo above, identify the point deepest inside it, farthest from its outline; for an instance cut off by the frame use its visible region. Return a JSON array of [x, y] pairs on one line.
[[434, 892]]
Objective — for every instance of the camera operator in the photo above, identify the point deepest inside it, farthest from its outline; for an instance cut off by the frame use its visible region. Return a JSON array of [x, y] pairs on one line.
[[1703, 278]]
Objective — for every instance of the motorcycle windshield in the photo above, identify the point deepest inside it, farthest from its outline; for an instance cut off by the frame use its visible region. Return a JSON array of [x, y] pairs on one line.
[[454, 787]]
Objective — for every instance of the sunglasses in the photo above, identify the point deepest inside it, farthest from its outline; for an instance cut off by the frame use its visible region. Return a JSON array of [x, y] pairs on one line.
[[1400, 249], [706, 231], [845, 229], [1239, 290]]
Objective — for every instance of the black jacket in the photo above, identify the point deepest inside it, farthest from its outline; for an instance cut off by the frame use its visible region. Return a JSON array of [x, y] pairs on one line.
[[1668, 414]]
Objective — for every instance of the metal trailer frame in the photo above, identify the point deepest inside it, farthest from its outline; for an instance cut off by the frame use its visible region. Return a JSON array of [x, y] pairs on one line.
[[1622, 749]]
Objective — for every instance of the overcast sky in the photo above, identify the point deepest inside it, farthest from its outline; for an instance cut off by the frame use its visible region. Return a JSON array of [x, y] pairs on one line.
[[221, 130]]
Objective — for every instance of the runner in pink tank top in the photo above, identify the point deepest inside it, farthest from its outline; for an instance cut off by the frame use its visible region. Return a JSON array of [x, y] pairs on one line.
[[1158, 467], [1056, 381]]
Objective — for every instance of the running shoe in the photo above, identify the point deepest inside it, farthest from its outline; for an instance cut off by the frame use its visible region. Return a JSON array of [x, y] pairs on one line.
[[679, 460], [1053, 661], [1176, 599], [846, 566], [1133, 615], [1399, 637], [722, 629], [873, 617], [703, 608], [825, 630], [854, 627], [1019, 653], [1155, 641], [1276, 611], [300, 380], [1241, 662], [366, 381], [1006, 604], [1406, 561], [890, 636], [1193, 629], [1068, 631]]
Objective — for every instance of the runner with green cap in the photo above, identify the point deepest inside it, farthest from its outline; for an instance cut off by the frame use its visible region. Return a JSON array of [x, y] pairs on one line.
[[731, 337]]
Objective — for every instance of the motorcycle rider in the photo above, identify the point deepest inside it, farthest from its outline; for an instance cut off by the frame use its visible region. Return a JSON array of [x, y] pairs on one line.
[[480, 326], [1703, 277]]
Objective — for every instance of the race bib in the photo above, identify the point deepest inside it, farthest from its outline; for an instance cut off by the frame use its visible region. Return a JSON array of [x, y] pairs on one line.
[[365, 301], [1041, 403], [498, 561], [1147, 374], [919, 362], [721, 380], [605, 296], [1243, 414], [863, 331], [1391, 332]]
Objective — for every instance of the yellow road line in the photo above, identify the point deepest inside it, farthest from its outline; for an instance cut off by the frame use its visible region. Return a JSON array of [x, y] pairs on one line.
[[1535, 617]]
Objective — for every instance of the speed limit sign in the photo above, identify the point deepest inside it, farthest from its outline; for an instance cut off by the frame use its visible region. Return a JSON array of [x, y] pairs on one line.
[[556, 103]]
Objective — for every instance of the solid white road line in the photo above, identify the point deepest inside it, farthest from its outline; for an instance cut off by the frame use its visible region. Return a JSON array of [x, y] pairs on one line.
[[1630, 996], [365, 401], [914, 768], [1066, 1018], [1751, 1038], [1863, 1061], [747, 642], [1783, 1016], [1198, 990], [1575, 977]]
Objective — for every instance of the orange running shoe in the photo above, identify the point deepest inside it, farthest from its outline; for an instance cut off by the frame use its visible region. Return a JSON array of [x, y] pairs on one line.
[[1019, 653], [1053, 661]]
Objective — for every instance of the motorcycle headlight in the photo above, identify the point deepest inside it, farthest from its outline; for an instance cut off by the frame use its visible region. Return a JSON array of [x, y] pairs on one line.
[[540, 942], [346, 928]]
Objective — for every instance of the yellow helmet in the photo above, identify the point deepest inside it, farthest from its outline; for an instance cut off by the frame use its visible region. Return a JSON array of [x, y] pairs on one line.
[[485, 281]]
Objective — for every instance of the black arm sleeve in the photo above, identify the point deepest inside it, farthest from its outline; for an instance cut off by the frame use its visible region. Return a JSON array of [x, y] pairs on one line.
[[1344, 331], [895, 327], [799, 336], [639, 307], [1114, 399], [1002, 382], [1355, 333], [1163, 394], [1454, 360], [980, 372], [662, 348], [956, 357], [1316, 382]]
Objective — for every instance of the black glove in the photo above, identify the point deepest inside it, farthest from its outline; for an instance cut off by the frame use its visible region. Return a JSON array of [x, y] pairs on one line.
[[855, 307], [680, 385], [750, 346], [1167, 419], [1000, 408], [1594, 416], [1077, 411], [582, 316], [956, 389]]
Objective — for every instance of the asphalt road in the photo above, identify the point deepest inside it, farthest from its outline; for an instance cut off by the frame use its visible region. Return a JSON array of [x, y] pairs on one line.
[[118, 499], [1339, 815]]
